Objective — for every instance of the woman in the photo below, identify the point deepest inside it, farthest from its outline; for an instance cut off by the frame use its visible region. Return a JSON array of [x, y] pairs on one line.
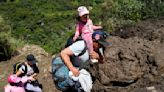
[[76, 48]]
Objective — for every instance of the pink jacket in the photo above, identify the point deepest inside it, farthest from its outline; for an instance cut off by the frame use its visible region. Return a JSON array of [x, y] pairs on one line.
[[82, 29], [86, 31], [9, 88]]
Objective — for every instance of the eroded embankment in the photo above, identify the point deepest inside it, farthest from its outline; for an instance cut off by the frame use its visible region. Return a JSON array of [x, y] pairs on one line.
[[134, 62]]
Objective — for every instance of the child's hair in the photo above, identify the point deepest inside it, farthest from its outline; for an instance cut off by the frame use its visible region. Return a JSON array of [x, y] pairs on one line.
[[78, 18], [15, 84]]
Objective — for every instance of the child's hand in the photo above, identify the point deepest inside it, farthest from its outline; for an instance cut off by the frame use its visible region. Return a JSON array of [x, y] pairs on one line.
[[100, 27], [97, 27], [74, 38]]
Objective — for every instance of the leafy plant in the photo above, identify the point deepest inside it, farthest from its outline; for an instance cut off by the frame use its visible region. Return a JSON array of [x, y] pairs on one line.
[[118, 13], [49, 23]]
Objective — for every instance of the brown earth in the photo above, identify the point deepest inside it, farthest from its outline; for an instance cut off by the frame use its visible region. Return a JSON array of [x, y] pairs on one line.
[[134, 61]]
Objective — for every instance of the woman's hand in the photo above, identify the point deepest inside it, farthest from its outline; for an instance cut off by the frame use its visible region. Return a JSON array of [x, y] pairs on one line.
[[32, 79], [94, 55], [75, 71], [18, 73], [34, 75]]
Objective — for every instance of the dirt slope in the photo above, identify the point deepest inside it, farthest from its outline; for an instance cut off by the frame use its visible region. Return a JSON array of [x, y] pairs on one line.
[[134, 61], [44, 62]]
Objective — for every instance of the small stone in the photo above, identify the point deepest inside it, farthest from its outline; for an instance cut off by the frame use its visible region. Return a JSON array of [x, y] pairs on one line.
[[151, 89]]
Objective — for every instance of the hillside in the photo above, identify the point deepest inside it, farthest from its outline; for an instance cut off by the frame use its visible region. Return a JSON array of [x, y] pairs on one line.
[[134, 62], [48, 23], [135, 59]]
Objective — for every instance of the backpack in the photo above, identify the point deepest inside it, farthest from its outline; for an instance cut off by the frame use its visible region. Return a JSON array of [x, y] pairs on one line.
[[60, 74], [16, 67], [70, 42]]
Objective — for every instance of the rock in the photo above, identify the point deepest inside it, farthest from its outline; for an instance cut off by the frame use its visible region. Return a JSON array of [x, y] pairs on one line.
[[33, 49], [152, 89], [134, 61]]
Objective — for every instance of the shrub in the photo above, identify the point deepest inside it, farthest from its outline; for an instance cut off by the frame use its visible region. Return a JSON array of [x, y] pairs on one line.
[[49, 23], [118, 13], [8, 44], [121, 12], [152, 8]]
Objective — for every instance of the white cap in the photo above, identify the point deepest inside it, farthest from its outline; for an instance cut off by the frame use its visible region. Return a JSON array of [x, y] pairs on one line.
[[82, 10]]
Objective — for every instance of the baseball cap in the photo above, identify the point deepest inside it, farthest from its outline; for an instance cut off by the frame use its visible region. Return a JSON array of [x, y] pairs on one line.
[[100, 37], [13, 79], [82, 10], [31, 58]]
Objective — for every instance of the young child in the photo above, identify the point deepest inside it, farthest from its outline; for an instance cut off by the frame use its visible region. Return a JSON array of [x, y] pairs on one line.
[[16, 84], [85, 27]]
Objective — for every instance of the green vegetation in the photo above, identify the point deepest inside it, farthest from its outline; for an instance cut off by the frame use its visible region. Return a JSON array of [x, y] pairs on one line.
[[7, 43], [118, 13], [49, 23]]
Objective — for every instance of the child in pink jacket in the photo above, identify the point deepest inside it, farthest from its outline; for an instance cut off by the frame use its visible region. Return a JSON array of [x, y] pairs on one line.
[[85, 27], [16, 84]]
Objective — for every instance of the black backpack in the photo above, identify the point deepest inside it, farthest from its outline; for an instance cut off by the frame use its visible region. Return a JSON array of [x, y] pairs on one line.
[[70, 42], [16, 67]]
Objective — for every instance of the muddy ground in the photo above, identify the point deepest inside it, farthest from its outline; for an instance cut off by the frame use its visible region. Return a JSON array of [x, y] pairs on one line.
[[134, 61]]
